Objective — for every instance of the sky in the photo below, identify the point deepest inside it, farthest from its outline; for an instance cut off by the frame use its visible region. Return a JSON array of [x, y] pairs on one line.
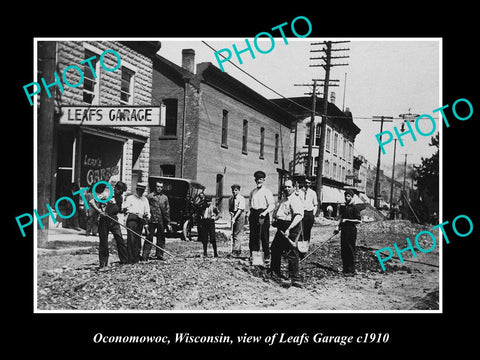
[[384, 76]]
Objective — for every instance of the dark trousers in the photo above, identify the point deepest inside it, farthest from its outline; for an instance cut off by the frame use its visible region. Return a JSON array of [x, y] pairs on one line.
[[348, 238], [134, 243], [307, 222], [280, 244], [105, 226], [259, 233], [154, 229], [206, 230]]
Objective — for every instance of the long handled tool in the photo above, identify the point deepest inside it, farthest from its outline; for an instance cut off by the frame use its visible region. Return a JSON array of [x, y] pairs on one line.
[[158, 247], [319, 246]]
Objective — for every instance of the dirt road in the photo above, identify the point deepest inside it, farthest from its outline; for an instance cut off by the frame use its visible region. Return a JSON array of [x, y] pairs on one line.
[[190, 282]]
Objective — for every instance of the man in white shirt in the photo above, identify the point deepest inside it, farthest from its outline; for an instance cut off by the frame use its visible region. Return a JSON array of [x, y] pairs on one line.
[[288, 217], [310, 202], [262, 204], [236, 207], [138, 209]]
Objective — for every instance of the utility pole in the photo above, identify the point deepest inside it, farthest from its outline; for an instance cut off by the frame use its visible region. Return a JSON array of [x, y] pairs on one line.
[[327, 59], [393, 174], [377, 179], [47, 55]]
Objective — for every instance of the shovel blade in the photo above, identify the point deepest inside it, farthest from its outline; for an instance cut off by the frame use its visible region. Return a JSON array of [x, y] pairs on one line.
[[257, 258]]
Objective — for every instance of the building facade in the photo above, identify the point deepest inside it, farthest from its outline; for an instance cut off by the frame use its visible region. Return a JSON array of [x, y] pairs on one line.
[[218, 131], [94, 75], [338, 169]]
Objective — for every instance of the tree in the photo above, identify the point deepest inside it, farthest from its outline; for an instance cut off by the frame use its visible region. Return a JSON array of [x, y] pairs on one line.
[[427, 177]]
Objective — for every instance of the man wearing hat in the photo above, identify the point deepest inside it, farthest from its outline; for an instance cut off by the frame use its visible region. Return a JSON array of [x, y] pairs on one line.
[[236, 207], [310, 202], [349, 218], [262, 204], [159, 220], [138, 209], [107, 222]]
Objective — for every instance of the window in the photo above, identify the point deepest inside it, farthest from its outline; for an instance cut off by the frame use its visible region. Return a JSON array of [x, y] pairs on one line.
[[315, 165], [350, 152], [326, 169], [335, 143], [168, 170], [91, 91], [171, 114], [277, 143], [224, 128], [262, 142], [318, 131], [307, 134], [126, 88], [344, 150], [334, 172], [327, 140], [245, 136]]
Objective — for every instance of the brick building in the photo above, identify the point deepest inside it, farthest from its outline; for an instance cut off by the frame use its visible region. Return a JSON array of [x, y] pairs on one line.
[[338, 170], [81, 153], [218, 131]]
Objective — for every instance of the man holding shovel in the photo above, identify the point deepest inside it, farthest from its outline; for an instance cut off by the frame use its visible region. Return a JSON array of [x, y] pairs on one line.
[[287, 219], [262, 204]]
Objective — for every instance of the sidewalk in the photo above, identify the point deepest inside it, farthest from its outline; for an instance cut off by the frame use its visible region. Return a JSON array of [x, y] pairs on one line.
[[65, 240]]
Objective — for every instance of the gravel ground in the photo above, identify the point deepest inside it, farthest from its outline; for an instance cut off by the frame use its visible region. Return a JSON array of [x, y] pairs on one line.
[[189, 282]]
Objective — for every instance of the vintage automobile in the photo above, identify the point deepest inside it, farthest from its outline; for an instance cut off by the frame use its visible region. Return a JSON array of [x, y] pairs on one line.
[[183, 196]]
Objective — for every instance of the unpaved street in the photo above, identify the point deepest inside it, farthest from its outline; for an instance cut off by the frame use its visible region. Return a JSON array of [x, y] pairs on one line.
[[190, 282]]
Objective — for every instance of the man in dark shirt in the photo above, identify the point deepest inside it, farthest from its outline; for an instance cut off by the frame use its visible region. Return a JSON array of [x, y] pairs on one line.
[[109, 223], [349, 218], [159, 220]]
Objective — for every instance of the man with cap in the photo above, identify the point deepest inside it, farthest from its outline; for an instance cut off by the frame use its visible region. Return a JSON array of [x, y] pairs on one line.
[[159, 220], [236, 207], [138, 209], [310, 202], [108, 223], [288, 217], [349, 218], [207, 214], [261, 204]]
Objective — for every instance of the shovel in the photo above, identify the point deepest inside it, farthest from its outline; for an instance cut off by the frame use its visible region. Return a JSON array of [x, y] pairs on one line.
[[257, 256]]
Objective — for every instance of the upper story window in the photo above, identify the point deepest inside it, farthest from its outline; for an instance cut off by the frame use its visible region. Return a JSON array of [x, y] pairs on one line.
[[327, 139], [171, 114], [224, 128], [277, 145], [91, 81], [245, 137], [127, 84], [262, 142]]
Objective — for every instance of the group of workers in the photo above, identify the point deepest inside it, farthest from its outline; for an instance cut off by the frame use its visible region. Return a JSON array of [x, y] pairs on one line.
[[293, 217]]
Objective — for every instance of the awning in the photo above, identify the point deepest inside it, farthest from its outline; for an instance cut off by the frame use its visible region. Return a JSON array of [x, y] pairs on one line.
[[332, 195]]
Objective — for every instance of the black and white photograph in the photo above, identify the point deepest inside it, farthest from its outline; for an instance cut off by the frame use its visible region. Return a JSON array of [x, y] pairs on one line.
[[184, 174], [220, 181]]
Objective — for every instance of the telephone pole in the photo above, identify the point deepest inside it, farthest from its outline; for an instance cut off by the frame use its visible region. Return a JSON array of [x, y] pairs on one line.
[[327, 65], [377, 178]]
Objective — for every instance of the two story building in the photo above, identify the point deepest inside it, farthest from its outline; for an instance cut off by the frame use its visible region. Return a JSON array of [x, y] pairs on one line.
[[218, 131]]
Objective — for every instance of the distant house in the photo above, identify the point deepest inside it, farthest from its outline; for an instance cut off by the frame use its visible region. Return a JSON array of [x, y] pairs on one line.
[[218, 130]]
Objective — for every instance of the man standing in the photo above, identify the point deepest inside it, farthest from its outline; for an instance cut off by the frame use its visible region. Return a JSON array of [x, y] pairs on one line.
[[138, 209], [287, 217], [310, 202], [262, 204], [349, 218], [207, 214], [159, 220], [108, 223], [236, 206]]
